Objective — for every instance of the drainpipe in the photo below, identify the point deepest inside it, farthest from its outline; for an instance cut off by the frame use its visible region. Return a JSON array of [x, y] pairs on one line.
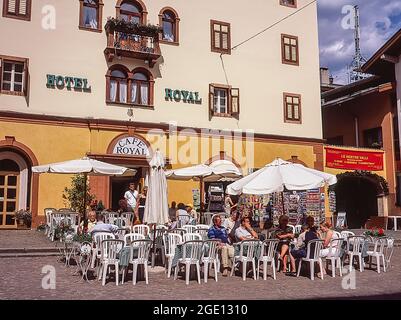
[[356, 131]]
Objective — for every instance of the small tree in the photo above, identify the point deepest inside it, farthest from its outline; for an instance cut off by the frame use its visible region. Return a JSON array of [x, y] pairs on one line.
[[75, 194]]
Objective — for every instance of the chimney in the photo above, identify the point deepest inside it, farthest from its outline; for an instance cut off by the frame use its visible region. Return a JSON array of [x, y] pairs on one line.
[[324, 75]]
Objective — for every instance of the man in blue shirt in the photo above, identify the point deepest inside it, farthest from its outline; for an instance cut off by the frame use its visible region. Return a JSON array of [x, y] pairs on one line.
[[217, 231]]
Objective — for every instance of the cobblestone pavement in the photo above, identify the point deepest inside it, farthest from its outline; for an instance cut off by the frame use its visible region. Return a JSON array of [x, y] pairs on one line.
[[21, 278], [24, 239]]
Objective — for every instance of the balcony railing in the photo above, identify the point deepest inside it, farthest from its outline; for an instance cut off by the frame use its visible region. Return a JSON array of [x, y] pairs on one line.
[[133, 46]]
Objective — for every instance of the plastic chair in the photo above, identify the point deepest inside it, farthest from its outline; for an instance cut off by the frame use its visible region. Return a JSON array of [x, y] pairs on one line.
[[202, 226], [208, 218], [98, 237], [337, 234], [292, 227], [191, 237], [110, 217], [346, 234], [120, 233], [179, 231], [160, 231], [334, 255], [209, 257], [48, 214], [247, 254], [202, 232], [388, 251], [170, 241], [357, 243], [127, 218], [191, 254], [141, 228], [183, 219], [267, 255], [298, 229], [143, 249], [131, 237], [64, 210], [189, 228], [312, 256], [109, 252], [378, 253]]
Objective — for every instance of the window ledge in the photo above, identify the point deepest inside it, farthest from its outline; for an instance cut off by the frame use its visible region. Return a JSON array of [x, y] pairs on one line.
[[293, 121], [292, 63], [90, 29], [18, 17], [171, 43], [13, 93], [222, 115], [130, 105]]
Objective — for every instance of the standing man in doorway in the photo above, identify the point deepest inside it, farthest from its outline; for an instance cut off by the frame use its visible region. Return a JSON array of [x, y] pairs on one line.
[[131, 195]]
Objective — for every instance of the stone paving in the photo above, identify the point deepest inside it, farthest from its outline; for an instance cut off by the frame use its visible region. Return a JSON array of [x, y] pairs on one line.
[[21, 278]]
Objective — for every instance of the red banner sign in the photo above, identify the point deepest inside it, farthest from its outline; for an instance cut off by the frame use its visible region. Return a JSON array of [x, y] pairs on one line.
[[354, 160]]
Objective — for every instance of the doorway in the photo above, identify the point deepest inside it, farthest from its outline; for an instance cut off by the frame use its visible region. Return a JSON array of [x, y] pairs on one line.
[[119, 185], [357, 196], [9, 186]]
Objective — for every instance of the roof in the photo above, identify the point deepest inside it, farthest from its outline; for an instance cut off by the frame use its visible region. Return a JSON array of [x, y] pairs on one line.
[[376, 65]]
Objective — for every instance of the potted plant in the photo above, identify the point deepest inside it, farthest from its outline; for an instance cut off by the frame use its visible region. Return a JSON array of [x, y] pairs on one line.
[[374, 232], [24, 218]]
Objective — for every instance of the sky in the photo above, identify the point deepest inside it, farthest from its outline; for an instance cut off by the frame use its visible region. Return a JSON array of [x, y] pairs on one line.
[[379, 20]]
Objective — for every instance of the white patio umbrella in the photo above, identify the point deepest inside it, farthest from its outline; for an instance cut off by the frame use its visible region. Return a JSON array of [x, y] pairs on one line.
[[280, 174], [216, 171], [156, 206], [85, 166]]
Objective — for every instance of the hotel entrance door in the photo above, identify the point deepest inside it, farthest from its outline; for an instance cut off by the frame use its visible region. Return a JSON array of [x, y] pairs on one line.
[[119, 185], [9, 186]]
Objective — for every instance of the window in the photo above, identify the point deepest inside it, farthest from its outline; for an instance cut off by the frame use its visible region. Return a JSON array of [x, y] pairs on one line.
[[17, 9], [14, 76], [140, 89], [292, 108], [220, 37], [118, 83], [290, 50], [373, 138], [169, 21], [131, 10], [289, 3], [131, 88], [90, 17], [223, 101]]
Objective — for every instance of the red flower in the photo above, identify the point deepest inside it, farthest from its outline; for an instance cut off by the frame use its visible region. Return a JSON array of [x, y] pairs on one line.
[[381, 231]]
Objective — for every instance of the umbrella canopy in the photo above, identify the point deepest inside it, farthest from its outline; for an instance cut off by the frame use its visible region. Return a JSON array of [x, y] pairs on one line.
[[280, 174], [84, 165], [156, 206], [215, 171]]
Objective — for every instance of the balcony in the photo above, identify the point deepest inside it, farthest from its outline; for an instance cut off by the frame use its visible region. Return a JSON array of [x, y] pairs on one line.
[[125, 39]]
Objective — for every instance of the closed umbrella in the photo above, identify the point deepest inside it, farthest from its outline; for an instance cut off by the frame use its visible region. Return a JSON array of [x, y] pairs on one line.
[[86, 166]]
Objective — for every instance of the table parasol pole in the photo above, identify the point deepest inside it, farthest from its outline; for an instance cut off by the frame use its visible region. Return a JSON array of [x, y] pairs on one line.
[[282, 201], [154, 244], [201, 198], [84, 206]]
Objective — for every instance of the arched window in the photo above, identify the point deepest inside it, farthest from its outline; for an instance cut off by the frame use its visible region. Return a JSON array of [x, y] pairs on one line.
[[117, 84], [91, 14], [131, 10], [169, 21], [142, 88]]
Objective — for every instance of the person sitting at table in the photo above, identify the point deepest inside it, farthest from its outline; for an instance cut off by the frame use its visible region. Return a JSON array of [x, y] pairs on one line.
[[91, 222], [329, 235], [217, 231], [245, 231], [285, 235], [182, 215], [103, 227]]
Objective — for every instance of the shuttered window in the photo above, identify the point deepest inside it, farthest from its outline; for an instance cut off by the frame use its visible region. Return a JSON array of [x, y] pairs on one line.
[[14, 76], [18, 9], [220, 37], [292, 108], [290, 51], [224, 101]]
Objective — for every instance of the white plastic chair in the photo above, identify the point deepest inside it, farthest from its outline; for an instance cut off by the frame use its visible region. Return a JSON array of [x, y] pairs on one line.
[[202, 226], [346, 234], [189, 228], [312, 256], [388, 251], [298, 229], [191, 237], [130, 237], [141, 228], [202, 232], [108, 257], [337, 234], [247, 254], [179, 231], [126, 218], [357, 243], [378, 253], [208, 218], [143, 249], [170, 241], [110, 217], [48, 215], [334, 255], [267, 255], [98, 237], [191, 254], [292, 227], [209, 257]]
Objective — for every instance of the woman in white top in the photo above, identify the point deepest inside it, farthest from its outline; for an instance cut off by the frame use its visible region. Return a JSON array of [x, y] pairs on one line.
[[228, 204], [330, 235]]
